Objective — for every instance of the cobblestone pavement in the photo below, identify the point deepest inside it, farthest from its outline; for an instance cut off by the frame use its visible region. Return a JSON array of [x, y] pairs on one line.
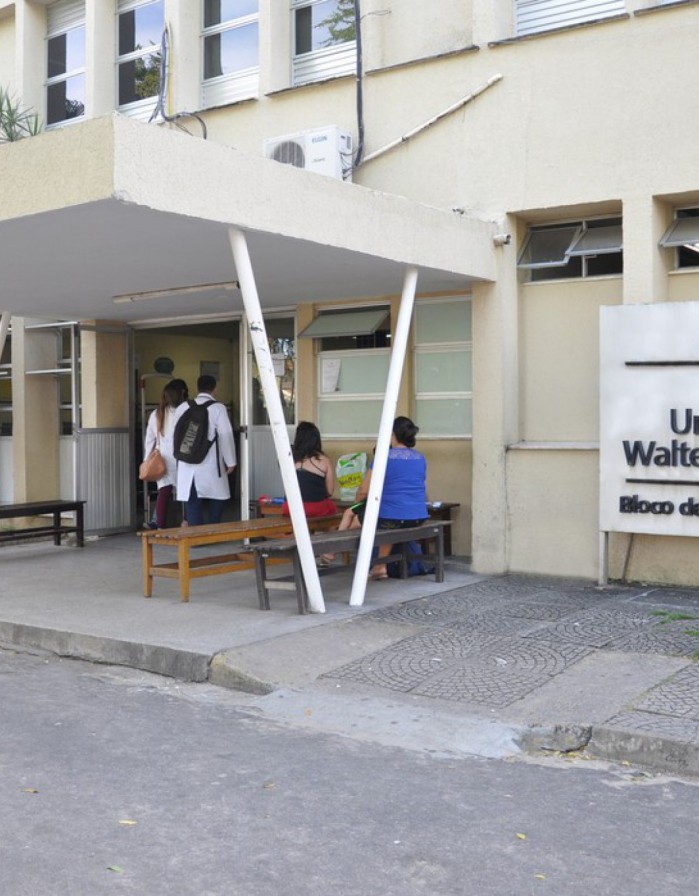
[[489, 644]]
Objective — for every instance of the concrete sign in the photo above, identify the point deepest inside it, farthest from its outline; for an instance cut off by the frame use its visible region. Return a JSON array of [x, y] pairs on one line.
[[649, 418]]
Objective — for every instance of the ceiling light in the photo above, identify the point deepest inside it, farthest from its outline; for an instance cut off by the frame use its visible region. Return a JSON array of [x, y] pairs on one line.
[[175, 291]]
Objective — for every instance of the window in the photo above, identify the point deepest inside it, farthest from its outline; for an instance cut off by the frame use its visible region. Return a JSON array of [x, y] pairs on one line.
[[442, 368], [353, 360], [65, 62], [324, 39], [282, 346], [578, 249], [683, 235], [140, 31], [230, 50], [534, 16]]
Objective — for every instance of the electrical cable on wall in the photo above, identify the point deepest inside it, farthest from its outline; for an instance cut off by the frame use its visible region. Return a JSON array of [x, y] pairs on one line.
[[163, 89], [360, 86]]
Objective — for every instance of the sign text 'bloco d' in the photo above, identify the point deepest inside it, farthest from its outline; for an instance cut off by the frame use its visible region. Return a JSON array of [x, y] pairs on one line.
[[676, 453]]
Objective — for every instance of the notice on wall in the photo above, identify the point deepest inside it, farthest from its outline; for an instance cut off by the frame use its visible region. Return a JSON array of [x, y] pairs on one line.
[[279, 364], [649, 419], [330, 374]]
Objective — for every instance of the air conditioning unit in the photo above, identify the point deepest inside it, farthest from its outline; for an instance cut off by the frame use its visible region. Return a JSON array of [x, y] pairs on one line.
[[323, 150]]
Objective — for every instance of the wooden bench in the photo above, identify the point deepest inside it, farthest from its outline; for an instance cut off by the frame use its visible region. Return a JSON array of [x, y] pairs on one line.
[[57, 529], [344, 542], [238, 533]]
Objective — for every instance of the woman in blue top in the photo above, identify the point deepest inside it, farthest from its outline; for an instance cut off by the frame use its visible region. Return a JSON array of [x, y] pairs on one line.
[[404, 494]]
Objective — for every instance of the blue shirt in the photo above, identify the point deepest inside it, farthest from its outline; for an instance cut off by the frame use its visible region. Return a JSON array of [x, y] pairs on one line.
[[404, 489]]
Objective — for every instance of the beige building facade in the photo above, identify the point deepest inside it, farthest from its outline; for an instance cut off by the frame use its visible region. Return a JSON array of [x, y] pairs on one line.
[[529, 158]]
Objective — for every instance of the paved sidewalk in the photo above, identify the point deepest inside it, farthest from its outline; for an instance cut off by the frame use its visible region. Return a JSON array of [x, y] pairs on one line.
[[481, 665]]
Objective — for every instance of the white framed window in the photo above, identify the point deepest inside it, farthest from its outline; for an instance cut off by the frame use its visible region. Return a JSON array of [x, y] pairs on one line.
[[139, 55], [442, 370], [65, 62], [230, 50], [353, 359], [683, 236], [591, 248], [534, 16], [324, 39]]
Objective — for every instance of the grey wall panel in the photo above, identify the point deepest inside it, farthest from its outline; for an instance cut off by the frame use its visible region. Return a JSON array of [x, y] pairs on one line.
[[104, 479]]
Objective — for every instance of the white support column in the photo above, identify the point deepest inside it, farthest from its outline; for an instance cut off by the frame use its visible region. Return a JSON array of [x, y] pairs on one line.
[[383, 442], [258, 337]]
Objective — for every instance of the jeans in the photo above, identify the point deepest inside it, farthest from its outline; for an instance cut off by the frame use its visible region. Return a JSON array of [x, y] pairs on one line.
[[195, 509]]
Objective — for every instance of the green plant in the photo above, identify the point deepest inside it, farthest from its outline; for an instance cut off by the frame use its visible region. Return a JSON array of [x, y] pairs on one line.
[[669, 616], [16, 123]]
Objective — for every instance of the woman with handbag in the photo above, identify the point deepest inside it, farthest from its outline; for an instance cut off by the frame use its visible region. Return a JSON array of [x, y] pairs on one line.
[[159, 433]]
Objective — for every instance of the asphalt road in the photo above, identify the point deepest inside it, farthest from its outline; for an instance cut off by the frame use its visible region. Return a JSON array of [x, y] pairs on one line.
[[115, 781]]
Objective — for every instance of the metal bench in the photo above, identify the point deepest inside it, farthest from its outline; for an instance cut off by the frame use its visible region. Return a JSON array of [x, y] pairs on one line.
[[344, 542], [57, 528], [237, 533]]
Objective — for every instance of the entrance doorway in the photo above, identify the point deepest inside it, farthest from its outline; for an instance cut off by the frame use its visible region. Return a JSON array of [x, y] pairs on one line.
[[220, 348], [185, 352]]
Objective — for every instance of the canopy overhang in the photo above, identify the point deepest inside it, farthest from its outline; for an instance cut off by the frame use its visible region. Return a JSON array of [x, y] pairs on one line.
[[114, 219]]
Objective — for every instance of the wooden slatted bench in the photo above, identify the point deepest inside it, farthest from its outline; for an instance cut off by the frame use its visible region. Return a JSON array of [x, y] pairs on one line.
[[56, 528], [431, 533], [237, 533]]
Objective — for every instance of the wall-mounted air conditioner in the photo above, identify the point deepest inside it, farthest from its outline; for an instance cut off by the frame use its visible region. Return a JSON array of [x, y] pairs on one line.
[[323, 150]]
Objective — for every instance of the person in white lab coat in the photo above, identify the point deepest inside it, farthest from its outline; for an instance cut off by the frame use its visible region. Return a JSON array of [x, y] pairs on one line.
[[159, 432], [209, 479]]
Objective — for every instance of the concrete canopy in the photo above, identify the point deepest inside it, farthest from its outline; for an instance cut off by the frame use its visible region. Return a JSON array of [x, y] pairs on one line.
[[113, 208]]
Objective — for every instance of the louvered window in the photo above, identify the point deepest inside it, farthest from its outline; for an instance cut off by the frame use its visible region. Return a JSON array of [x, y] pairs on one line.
[[543, 15], [65, 62], [592, 248], [683, 236], [230, 50]]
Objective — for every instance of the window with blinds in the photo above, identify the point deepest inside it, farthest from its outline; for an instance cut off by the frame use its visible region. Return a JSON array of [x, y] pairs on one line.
[[534, 16]]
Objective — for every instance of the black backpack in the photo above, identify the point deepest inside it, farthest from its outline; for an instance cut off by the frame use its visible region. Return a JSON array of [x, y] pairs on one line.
[[191, 439]]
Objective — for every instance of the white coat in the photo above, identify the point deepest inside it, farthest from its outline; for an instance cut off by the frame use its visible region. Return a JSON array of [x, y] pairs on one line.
[[210, 481], [164, 442]]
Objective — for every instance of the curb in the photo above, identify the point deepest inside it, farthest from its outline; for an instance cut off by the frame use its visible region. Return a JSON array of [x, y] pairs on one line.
[[224, 675], [661, 754], [658, 754], [181, 664]]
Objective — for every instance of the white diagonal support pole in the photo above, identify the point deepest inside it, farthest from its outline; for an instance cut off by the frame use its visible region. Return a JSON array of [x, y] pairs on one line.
[[263, 356], [383, 442]]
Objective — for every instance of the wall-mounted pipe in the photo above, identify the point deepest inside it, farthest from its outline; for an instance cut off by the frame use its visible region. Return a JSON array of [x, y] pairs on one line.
[[421, 127]]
